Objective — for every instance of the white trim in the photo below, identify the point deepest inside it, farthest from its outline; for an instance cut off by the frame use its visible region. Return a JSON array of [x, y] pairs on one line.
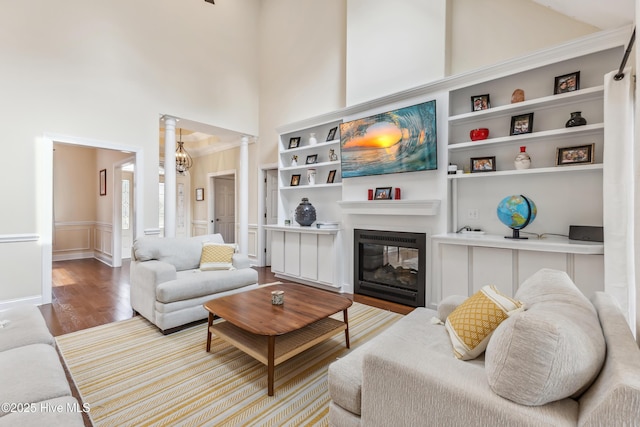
[[14, 238], [44, 150], [262, 237], [21, 302], [152, 231]]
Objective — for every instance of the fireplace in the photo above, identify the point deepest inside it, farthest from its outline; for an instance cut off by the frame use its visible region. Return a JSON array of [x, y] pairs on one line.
[[390, 265]]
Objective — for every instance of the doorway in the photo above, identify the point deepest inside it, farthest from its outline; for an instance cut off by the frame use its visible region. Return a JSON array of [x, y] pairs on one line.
[[270, 209], [222, 205]]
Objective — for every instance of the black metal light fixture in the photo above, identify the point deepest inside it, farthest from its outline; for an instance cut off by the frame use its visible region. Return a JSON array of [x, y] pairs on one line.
[[210, 1], [183, 159]]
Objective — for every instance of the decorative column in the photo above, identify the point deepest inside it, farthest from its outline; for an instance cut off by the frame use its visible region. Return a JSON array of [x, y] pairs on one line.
[[169, 176], [243, 198]]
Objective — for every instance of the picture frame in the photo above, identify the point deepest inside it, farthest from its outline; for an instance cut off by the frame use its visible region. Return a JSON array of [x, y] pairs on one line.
[[103, 182], [483, 164], [294, 142], [199, 194], [332, 176], [480, 102], [521, 124], [311, 159], [567, 83], [332, 134], [575, 155], [295, 180], [382, 193]]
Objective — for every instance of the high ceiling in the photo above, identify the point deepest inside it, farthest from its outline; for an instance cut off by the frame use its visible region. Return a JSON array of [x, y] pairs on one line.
[[605, 15]]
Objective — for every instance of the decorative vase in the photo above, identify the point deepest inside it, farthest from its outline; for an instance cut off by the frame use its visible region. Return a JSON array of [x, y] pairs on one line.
[[479, 134], [312, 139], [576, 120], [522, 160], [311, 176], [517, 96], [305, 213]]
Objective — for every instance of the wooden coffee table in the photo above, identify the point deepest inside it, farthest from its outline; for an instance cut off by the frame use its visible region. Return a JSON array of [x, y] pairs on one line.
[[271, 333]]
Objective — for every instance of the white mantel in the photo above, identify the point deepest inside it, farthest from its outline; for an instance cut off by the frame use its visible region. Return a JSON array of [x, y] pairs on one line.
[[391, 207]]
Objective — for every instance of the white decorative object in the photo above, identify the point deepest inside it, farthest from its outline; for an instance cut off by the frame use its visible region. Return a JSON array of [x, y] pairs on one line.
[[294, 160], [312, 139], [311, 176], [522, 160]]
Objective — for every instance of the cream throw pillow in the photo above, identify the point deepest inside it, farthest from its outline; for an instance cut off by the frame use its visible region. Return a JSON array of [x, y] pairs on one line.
[[471, 324], [217, 256]]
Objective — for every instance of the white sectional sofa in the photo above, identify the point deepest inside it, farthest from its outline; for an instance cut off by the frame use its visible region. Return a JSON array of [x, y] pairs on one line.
[[34, 389], [408, 375], [167, 286]]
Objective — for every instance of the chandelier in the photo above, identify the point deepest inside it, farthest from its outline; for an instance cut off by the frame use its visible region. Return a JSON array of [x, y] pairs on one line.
[[183, 159]]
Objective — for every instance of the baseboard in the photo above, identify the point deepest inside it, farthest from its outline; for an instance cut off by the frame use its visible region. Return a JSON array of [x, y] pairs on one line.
[[72, 256], [35, 300]]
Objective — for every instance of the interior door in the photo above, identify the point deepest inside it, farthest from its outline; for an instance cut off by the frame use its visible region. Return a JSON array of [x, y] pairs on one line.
[[225, 208], [271, 209], [127, 213]]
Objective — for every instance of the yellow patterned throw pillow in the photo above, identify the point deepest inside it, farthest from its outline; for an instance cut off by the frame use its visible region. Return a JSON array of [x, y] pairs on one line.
[[471, 324], [216, 256]]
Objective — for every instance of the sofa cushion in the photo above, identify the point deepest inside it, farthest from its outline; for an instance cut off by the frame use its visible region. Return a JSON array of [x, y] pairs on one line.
[[217, 256], [22, 326], [195, 283], [553, 350], [34, 373], [182, 252], [471, 324]]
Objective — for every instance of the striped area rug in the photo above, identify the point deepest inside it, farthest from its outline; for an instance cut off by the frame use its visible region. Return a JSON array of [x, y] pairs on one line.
[[132, 375]]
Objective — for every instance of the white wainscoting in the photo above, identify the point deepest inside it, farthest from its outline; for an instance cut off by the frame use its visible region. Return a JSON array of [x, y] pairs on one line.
[[83, 239], [103, 243], [199, 227], [252, 249]]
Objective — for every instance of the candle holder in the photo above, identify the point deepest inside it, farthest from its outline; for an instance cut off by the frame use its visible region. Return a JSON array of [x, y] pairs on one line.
[[277, 297]]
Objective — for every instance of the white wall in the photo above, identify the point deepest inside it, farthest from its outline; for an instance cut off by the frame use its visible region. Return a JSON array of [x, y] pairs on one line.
[[393, 45], [106, 71]]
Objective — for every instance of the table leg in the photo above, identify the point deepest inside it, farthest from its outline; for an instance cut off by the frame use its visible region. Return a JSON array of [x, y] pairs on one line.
[[209, 332], [270, 365], [346, 331]]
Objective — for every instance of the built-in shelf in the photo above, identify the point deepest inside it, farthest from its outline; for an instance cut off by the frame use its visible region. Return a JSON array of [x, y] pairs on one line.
[[529, 137], [310, 147], [553, 169], [390, 207], [313, 229], [524, 106], [309, 166], [307, 187], [546, 244]]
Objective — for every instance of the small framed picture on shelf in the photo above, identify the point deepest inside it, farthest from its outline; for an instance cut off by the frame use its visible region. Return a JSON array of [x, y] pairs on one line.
[[480, 102], [521, 124], [567, 83], [576, 155], [332, 134], [295, 180], [483, 164], [311, 159], [294, 142], [332, 176], [199, 194], [382, 193]]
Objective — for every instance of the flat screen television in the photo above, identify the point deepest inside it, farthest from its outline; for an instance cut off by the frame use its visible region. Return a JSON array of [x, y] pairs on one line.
[[402, 140]]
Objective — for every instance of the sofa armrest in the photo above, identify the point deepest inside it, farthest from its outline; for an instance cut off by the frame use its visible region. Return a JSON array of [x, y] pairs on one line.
[[240, 261], [153, 272], [448, 304], [408, 382]]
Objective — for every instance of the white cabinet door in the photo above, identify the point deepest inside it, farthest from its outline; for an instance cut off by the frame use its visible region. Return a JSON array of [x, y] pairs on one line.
[[309, 256], [277, 251], [328, 259], [455, 270], [589, 273], [292, 253], [491, 266]]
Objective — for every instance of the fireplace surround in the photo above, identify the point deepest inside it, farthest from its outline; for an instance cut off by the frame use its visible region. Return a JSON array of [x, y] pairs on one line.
[[390, 265]]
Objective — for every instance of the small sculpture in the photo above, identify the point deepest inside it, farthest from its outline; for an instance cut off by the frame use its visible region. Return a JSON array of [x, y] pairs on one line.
[[294, 160], [332, 155], [517, 96]]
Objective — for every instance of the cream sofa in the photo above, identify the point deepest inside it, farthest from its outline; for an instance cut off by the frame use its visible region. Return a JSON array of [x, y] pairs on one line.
[[408, 375], [167, 286], [35, 390]]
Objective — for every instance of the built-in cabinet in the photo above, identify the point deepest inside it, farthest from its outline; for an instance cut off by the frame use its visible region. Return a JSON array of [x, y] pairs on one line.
[[307, 255]]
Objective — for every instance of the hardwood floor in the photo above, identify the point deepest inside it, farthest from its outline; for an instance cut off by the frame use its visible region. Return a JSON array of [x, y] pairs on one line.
[[88, 293]]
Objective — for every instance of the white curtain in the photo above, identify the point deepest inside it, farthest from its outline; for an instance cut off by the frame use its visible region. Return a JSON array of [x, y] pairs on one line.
[[620, 193]]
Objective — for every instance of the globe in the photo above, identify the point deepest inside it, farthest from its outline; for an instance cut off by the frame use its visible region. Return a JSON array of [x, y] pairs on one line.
[[516, 212]]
